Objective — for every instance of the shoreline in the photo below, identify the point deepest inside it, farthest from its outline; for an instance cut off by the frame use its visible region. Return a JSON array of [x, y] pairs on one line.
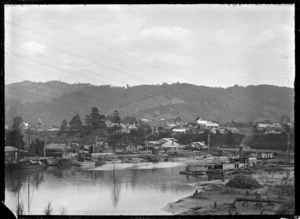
[[214, 198]]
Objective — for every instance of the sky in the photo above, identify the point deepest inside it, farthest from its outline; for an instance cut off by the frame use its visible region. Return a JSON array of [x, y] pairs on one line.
[[120, 45]]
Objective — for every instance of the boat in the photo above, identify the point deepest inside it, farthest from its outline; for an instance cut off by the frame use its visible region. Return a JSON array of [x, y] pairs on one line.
[[85, 163], [113, 161], [136, 160], [195, 170], [26, 165], [52, 162]]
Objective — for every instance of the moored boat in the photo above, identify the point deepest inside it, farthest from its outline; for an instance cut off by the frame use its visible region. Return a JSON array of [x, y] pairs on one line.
[[52, 161], [113, 161], [86, 163], [25, 165]]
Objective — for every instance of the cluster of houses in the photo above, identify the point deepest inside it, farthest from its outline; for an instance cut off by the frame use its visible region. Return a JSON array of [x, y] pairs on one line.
[[123, 128], [39, 126], [274, 128]]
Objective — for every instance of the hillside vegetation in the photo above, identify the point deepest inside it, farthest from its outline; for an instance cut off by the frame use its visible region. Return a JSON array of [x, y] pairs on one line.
[[54, 101]]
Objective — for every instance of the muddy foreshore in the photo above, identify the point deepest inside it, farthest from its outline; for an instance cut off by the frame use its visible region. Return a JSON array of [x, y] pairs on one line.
[[215, 198]]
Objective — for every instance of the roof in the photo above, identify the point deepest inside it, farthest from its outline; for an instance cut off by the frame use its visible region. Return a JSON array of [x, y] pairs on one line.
[[12, 149], [56, 146], [212, 124], [179, 130], [261, 125], [169, 142]]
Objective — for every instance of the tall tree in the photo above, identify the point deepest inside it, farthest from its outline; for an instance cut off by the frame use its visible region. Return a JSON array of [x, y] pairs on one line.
[[117, 118], [229, 138], [14, 136], [97, 120], [177, 119], [88, 121], [64, 125], [129, 120], [17, 121], [76, 123]]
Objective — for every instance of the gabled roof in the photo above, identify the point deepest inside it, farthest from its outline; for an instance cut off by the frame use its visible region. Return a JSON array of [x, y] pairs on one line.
[[56, 146]]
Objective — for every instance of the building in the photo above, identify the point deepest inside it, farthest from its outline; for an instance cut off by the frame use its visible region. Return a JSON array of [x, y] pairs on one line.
[[39, 126], [199, 145], [178, 131], [262, 126], [274, 129], [211, 125], [73, 148], [201, 122], [55, 150]]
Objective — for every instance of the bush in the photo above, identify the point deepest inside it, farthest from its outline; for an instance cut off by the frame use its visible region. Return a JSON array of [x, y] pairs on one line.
[[244, 182]]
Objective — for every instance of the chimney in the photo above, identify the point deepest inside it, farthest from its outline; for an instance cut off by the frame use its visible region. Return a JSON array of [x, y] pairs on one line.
[[172, 141]]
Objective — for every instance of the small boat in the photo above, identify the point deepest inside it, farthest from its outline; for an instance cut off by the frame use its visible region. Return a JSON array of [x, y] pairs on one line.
[[52, 161], [135, 160], [86, 163], [26, 165], [113, 161]]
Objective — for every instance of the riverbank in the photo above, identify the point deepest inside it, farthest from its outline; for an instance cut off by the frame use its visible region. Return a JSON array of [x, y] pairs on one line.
[[215, 198]]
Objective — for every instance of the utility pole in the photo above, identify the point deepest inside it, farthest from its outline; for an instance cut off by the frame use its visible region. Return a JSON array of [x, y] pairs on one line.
[[288, 145], [95, 144], [28, 197], [45, 146], [208, 141]]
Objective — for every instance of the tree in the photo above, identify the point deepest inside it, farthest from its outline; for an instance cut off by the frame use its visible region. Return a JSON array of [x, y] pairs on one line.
[[129, 120], [229, 138], [117, 118], [64, 126], [76, 123], [285, 119], [178, 119], [97, 120], [88, 121], [17, 121], [14, 136]]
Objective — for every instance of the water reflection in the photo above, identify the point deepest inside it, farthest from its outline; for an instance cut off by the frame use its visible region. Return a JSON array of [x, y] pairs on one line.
[[109, 189]]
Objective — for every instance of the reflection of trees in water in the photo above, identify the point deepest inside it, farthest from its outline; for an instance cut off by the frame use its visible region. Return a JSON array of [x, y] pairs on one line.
[[134, 174], [61, 172], [38, 179], [16, 181], [116, 188], [58, 172]]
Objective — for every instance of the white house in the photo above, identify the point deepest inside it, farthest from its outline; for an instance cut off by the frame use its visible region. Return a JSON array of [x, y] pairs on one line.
[[262, 126], [201, 121], [178, 131], [211, 125]]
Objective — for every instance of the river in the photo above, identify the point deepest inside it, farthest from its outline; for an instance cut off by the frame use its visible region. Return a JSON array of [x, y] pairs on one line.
[[111, 189]]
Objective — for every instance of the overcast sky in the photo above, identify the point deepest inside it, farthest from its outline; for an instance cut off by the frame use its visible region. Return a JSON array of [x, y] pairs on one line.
[[211, 45]]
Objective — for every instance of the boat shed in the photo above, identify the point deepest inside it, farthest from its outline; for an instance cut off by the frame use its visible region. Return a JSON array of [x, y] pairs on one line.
[[55, 150]]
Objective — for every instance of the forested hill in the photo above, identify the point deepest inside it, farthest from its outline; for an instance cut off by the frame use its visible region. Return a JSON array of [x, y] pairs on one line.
[[54, 101]]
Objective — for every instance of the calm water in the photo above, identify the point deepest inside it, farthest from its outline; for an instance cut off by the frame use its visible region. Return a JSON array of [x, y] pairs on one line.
[[120, 189]]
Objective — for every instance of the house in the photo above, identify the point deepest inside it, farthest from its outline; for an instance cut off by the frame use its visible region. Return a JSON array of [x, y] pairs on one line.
[[201, 121], [178, 131], [11, 153], [211, 125], [73, 148], [262, 126], [233, 130], [39, 126], [24, 125], [170, 144], [199, 145], [55, 150], [53, 129], [275, 128]]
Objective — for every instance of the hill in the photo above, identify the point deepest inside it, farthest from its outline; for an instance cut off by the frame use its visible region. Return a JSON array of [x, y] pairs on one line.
[[54, 101]]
